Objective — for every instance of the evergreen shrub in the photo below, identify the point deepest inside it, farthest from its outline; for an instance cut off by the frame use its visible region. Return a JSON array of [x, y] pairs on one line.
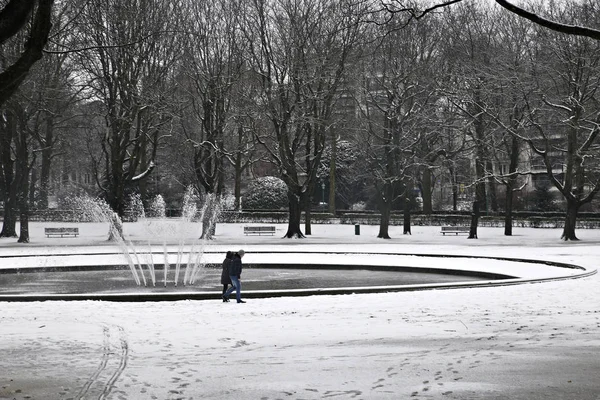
[[266, 193]]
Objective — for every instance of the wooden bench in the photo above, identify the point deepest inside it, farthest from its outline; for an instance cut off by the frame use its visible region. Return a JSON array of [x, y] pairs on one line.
[[259, 230], [455, 229], [61, 231]]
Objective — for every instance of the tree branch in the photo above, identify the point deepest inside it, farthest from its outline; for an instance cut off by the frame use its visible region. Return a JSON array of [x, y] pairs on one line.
[[13, 76], [13, 17], [546, 23]]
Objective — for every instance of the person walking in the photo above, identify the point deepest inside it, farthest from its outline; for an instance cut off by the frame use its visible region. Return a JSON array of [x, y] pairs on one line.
[[235, 273], [225, 279]]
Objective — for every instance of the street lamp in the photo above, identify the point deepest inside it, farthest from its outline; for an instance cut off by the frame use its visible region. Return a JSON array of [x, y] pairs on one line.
[[323, 193]]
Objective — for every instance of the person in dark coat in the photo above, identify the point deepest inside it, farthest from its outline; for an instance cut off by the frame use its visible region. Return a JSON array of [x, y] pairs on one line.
[[235, 274], [225, 279]]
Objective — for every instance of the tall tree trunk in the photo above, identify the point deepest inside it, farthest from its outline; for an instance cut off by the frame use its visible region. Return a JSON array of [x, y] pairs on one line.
[[452, 174], [406, 221], [454, 197], [480, 190], [510, 184], [307, 217], [492, 189], [570, 220], [474, 221], [32, 187], [481, 153], [295, 212], [332, 173], [22, 183], [9, 222], [46, 163], [508, 208], [143, 183], [209, 218], [24, 223], [115, 230], [8, 129], [237, 191], [384, 222], [385, 208]]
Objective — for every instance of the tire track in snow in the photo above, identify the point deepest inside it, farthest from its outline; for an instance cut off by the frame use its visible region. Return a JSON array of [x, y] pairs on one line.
[[102, 368]]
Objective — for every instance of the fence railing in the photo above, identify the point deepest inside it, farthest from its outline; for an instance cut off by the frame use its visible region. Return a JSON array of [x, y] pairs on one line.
[[520, 219]]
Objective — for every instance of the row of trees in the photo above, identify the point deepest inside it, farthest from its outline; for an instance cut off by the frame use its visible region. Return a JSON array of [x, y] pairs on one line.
[[350, 93]]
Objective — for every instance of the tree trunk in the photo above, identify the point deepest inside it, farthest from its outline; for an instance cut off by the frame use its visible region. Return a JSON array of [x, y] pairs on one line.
[[427, 192], [385, 208], [46, 164], [511, 183], [32, 187], [115, 230], [8, 131], [474, 221], [570, 220], [209, 218], [384, 223], [22, 183], [307, 219], [295, 211], [9, 222], [332, 173], [454, 198], [24, 222], [307, 209], [452, 175], [237, 191], [480, 186], [492, 189], [406, 222], [508, 209], [209, 227]]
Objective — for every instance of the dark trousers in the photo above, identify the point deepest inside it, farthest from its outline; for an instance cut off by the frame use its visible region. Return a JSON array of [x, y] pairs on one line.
[[225, 286]]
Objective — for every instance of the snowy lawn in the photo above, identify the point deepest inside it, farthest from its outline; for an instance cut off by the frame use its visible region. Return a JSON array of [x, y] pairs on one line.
[[530, 341]]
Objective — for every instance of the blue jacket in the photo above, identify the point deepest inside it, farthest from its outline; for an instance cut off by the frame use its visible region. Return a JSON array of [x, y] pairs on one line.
[[235, 266]]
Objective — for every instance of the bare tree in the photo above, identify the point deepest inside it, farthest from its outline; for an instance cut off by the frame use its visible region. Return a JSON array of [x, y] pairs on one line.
[[566, 121], [299, 52], [399, 95], [130, 51], [25, 23], [212, 68], [512, 90], [470, 48]]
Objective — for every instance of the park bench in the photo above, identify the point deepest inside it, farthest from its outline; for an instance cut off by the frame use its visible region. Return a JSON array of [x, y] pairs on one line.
[[259, 230], [61, 231], [455, 229]]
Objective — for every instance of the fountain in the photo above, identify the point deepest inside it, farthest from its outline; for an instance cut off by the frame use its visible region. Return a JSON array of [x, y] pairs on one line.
[[161, 228]]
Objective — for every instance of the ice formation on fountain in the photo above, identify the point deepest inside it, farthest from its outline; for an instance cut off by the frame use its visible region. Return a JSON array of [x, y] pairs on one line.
[[97, 210], [169, 229]]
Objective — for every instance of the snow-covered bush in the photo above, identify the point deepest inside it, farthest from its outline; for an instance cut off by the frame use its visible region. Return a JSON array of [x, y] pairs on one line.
[[157, 208], [360, 206], [227, 201], [267, 193]]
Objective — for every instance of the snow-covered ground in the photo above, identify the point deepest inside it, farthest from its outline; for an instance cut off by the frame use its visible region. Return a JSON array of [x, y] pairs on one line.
[[530, 341]]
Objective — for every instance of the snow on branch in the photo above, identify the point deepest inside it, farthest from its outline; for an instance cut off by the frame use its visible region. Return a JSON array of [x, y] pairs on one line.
[[145, 173]]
